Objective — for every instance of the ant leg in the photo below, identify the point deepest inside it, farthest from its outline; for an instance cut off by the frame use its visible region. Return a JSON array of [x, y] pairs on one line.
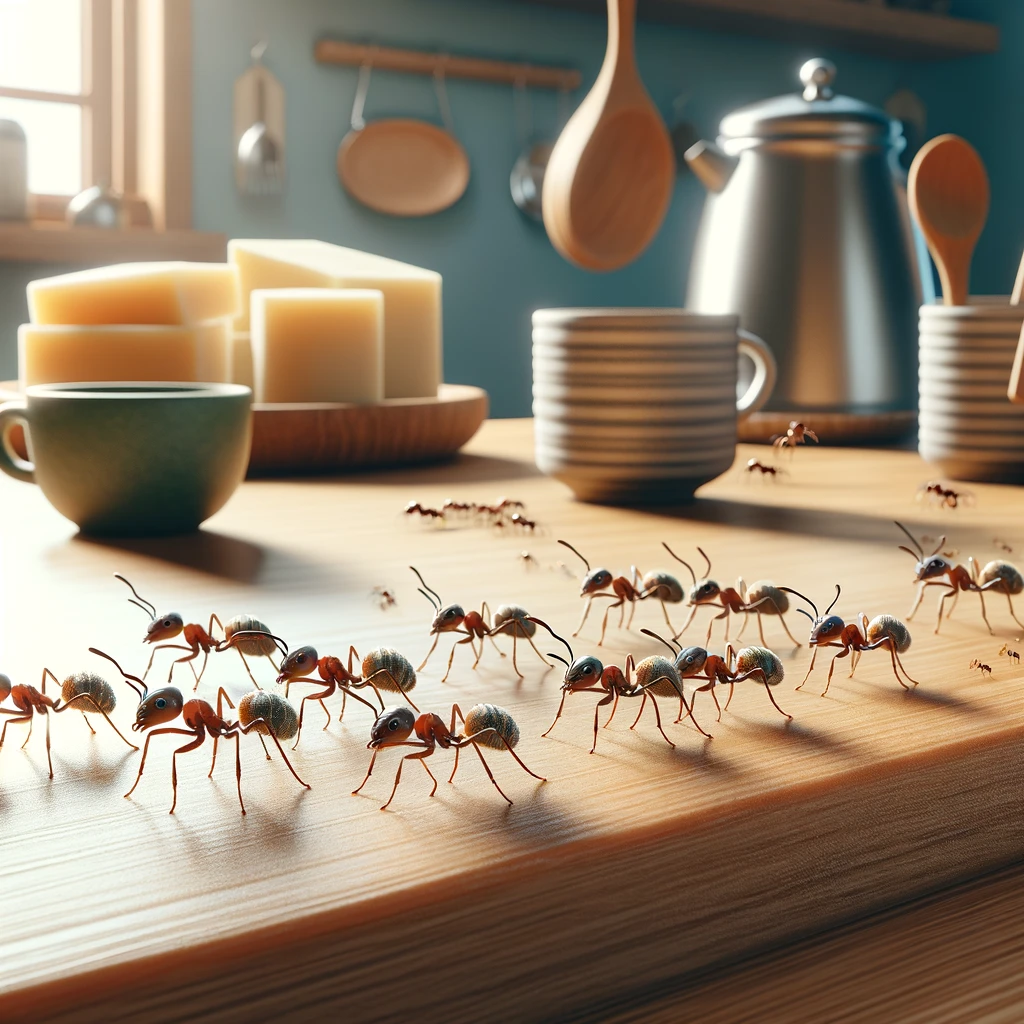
[[638, 714], [49, 760], [341, 713], [895, 672], [728, 700], [247, 669], [956, 597], [917, 601], [494, 645], [455, 766], [394, 682], [85, 696], [711, 625], [981, 597], [12, 721], [85, 718], [162, 647], [145, 752], [244, 729], [760, 630], [490, 774], [710, 688], [810, 669], [31, 723], [586, 612], [796, 642], [202, 670], [558, 714], [686, 624], [515, 667], [264, 743], [632, 612], [657, 718], [188, 657], [615, 707], [604, 621], [451, 657], [597, 712], [828, 682], [238, 768], [369, 772], [1009, 601], [539, 655], [771, 697], [422, 664], [302, 709], [418, 755], [431, 774], [197, 742]]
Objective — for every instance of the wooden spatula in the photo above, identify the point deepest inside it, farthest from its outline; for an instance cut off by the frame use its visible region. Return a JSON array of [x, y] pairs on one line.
[[949, 195]]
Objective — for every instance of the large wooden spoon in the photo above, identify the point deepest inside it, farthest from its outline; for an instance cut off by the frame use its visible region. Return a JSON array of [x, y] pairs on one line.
[[948, 192], [609, 180]]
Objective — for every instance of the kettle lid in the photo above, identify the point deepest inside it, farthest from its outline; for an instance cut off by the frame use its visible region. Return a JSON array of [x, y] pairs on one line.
[[816, 113]]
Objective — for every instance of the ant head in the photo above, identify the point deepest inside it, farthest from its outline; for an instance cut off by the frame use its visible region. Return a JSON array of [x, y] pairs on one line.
[[583, 672], [297, 663], [704, 591], [595, 580], [393, 725], [690, 660], [932, 567], [163, 705], [164, 628], [5, 687], [448, 618], [826, 629]]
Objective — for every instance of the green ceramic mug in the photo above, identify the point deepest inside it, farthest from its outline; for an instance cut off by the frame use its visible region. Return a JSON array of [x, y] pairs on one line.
[[131, 459]]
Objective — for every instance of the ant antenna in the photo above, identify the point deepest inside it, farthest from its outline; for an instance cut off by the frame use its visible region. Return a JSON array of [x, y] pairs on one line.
[[139, 602], [834, 599], [650, 632], [436, 599], [568, 647], [938, 547], [558, 657], [707, 571], [804, 611], [684, 562], [915, 542], [128, 678], [804, 597], [566, 544], [247, 634]]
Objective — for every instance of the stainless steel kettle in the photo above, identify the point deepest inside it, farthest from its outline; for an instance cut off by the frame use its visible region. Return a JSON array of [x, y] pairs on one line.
[[806, 235]]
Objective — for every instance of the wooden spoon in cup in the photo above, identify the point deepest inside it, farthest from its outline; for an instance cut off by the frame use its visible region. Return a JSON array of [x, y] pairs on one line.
[[948, 192]]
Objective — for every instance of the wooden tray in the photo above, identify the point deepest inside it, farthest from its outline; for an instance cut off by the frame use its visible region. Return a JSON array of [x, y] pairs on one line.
[[297, 439]]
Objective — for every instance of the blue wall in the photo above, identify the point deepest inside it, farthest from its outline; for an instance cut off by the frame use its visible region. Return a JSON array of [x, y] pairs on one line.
[[498, 266]]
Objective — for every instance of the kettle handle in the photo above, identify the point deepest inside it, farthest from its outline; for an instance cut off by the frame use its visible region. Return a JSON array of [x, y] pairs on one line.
[[765, 372]]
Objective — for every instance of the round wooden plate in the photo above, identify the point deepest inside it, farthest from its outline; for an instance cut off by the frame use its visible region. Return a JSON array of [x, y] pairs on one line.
[[832, 427], [290, 440]]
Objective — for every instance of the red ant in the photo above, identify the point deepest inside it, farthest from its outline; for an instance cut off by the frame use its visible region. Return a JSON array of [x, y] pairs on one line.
[[522, 522], [763, 598], [513, 620], [944, 497], [81, 691], [333, 675], [384, 598], [453, 618], [244, 633], [1012, 655], [883, 631], [486, 725], [796, 434], [934, 570], [751, 663], [755, 466], [415, 508], [985, 670], [199, 718], [654, 676], [597, 580]]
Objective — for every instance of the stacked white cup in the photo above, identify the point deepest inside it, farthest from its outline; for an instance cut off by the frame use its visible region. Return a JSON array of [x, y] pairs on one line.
[[968, 426], [639, 405]]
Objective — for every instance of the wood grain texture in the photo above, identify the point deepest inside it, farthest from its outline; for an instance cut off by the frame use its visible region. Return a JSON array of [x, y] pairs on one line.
[[629, 869]]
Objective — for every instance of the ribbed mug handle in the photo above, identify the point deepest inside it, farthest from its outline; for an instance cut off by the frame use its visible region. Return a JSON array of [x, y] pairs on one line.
[[10, 461], [765, 372]]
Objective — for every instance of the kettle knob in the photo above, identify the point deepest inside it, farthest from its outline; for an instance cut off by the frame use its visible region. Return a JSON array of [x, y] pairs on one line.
[[817, 76]]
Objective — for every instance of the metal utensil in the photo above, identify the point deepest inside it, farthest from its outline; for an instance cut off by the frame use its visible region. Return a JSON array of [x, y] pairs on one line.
[[260, 157], [98, 207], [526, 182]]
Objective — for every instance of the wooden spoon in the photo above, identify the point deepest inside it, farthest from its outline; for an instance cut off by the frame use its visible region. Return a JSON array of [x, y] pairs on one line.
[[948, 192], [609, 180]]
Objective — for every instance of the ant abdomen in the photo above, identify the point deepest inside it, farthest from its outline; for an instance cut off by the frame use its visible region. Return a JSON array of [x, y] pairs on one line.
[[778, 603], [669, 683], [1012, 581], [662, 585], [255, 646], [5, 687], [513, 620], [890, 628], [278, 715], [750, 658], [389, 669], [101, 693], [490, 716]]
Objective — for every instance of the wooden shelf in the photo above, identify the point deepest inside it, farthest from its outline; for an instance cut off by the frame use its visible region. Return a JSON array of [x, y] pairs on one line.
[[851, 24], [56, 243]]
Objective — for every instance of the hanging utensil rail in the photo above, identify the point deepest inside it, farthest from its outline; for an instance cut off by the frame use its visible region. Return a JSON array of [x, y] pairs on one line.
[[337, 51]]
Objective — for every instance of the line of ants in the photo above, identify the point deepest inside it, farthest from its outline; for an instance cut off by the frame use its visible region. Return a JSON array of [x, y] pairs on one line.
[[505, 512]]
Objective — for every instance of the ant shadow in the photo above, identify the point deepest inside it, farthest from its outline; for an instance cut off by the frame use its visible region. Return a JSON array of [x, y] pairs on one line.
[[795, 734], [924, 698]]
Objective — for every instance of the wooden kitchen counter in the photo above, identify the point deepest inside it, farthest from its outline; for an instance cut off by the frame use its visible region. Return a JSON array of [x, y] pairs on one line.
[[631, 871]]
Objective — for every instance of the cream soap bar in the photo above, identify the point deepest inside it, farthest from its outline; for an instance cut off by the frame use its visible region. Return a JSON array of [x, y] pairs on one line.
[[241, 359], [317, 345], [50, 353], [412, 300], [137, 293]]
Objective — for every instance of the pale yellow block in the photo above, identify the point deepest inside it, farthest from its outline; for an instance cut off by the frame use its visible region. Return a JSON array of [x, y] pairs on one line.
[[137, 293], [318, 345], [49, 353], [241, 359], [412, 300]]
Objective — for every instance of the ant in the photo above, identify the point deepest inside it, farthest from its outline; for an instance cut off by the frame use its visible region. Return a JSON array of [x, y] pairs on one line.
[[795, 434], [415, 508], [883, 631], [81, 691], [244, 633], [763, 598], [333, 675], [934, 570], [486, 725], [597, 580], [454, 618], [751, 663], [654, 676], [515, 621], [985, 670], [755, 466], [384, 598], [1013, 655], [522, 522], [944, 497], [527, 560], [199, 718], [1002, 545]]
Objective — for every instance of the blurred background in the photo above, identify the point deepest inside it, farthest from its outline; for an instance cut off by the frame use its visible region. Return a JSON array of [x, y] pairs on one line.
[[78, 76]]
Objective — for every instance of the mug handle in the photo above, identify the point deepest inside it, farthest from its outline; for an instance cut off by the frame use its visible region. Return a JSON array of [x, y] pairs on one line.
[[765, 372], [11, 462]]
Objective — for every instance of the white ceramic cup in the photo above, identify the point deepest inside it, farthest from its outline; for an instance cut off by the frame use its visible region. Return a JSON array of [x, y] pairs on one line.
[[640, 406]]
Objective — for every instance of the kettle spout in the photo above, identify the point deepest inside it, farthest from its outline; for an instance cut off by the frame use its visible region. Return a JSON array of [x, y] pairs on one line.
[[710, 164]]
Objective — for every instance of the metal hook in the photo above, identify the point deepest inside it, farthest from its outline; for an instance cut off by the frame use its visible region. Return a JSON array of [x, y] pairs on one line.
[[362, 88], [442, 95], [523, 109], [258, 50]]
